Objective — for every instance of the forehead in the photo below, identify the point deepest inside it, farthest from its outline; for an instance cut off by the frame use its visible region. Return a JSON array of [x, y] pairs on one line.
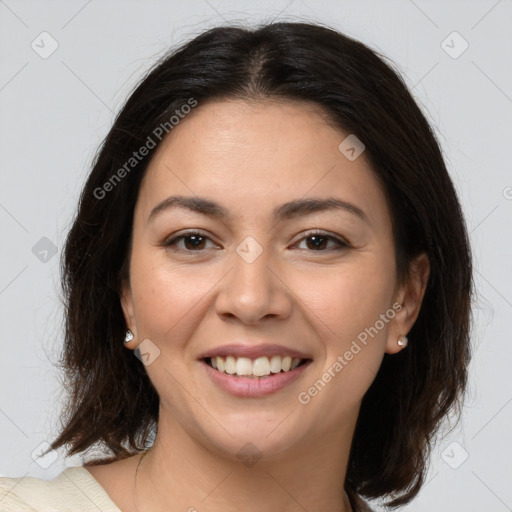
[[251, 155]]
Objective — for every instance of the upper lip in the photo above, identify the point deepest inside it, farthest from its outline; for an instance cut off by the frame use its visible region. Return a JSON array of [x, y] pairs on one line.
[[253, 351]]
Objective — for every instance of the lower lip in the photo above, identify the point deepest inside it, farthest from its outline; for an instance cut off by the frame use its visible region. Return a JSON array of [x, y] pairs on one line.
[[254, 388]]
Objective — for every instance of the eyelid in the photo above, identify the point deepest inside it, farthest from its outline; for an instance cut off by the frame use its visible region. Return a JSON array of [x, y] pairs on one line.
[[326, 234], [341, 242], [183, 234]]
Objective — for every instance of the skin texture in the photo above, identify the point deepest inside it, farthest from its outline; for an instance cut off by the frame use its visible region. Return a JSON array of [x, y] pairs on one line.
[[251, 157]]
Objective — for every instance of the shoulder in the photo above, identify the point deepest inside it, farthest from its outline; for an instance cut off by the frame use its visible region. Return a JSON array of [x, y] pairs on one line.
[[74, 489]]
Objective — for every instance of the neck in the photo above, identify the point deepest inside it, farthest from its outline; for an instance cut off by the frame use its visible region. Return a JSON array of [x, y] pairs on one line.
[[180, 473]]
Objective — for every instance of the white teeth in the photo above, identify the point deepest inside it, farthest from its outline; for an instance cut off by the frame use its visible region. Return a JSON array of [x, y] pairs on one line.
[[260, 367], [295, 363], [275, 364], [243, 366], [230, 365]]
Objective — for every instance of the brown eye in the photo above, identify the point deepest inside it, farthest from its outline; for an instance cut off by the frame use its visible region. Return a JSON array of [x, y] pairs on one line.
[[195, 242], [319, 241], [192, 242]]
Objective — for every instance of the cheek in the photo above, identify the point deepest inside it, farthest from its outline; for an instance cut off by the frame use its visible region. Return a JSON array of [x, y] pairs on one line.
[[167, 297], [348, 298], [347, 303]]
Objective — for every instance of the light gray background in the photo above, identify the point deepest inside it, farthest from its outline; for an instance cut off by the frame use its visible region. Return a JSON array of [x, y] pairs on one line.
[[56, 111]]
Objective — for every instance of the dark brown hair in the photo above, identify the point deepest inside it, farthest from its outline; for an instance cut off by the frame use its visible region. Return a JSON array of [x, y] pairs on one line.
[[111, 399]]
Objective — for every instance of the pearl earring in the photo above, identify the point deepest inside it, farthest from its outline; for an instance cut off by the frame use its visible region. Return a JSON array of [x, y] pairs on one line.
[[128, 336], [402, 340]]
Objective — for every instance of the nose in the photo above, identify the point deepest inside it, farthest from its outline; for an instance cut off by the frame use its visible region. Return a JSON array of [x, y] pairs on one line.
[[253, 291]]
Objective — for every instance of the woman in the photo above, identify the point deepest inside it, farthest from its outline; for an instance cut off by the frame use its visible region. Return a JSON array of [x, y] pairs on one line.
[[270, 228]]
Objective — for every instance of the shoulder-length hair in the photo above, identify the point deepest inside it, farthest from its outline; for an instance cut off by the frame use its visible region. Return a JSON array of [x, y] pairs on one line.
[[111, 399]]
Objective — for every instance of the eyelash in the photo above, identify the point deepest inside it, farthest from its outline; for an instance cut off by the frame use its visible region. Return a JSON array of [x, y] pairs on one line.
[[173, 241]]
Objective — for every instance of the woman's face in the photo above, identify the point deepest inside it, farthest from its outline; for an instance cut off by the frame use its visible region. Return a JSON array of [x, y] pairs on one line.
[[316, 282]]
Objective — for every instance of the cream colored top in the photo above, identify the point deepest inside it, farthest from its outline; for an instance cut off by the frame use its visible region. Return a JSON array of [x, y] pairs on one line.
[[73, 490]]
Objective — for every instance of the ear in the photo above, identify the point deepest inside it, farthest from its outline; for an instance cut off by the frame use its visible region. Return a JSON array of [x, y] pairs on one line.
[[128, 309], [410, 296]]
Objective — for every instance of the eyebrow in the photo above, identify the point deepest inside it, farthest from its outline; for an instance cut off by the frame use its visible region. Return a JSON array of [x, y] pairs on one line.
[[289, 210]]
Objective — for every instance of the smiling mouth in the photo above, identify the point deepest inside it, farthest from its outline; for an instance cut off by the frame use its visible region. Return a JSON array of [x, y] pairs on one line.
[[260, 368]]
